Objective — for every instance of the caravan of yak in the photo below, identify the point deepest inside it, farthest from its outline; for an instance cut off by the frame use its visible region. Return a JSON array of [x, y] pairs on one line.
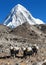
[[27, 51]]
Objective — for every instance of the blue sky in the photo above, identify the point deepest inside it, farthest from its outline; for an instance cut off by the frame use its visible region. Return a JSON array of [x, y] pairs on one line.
[[36, 7]]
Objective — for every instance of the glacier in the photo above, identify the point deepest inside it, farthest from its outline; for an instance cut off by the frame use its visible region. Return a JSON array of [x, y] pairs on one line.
[[19, 15]]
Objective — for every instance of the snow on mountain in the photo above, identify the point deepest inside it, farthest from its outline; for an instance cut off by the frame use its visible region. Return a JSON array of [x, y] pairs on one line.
[[20, 15]]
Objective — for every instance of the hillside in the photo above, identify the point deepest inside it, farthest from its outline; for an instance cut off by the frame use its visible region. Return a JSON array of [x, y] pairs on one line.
[[24, 35]]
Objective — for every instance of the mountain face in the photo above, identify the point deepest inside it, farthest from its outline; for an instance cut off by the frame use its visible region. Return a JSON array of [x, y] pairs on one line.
[[23, 33], [20, 15]]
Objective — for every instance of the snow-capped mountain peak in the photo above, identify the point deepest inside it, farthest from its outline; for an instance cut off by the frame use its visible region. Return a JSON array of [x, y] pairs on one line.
[[20, 15]]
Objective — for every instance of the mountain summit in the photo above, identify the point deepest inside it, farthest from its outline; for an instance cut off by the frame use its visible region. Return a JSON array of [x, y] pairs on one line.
[[20, 15]]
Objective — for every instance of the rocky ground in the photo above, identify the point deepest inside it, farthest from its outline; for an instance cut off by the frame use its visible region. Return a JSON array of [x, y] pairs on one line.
[[24, 35]]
